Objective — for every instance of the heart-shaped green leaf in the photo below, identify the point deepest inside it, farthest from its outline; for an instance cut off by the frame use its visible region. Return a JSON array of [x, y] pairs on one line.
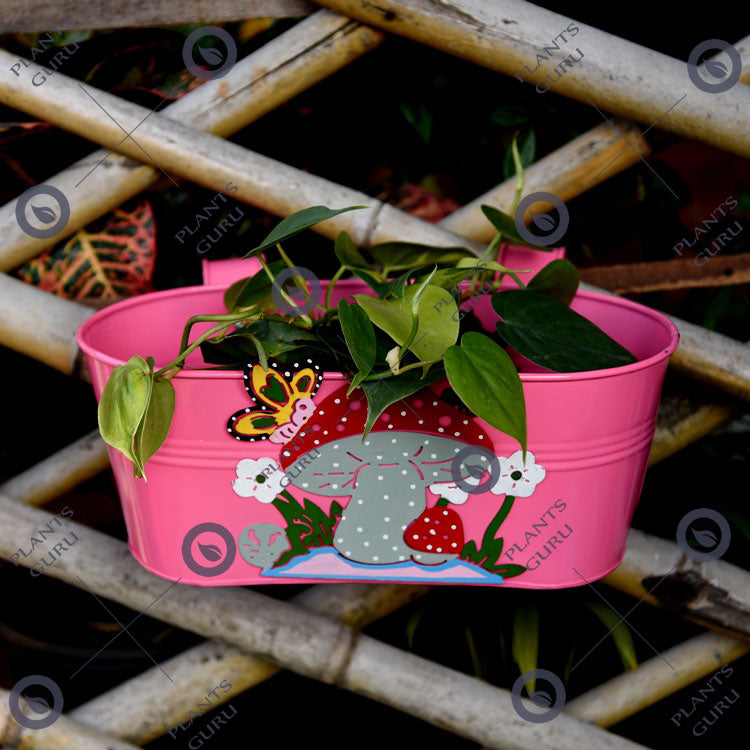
[[486, 380], [350, 257], [154, 426], [398, 256], [558, 279], [123, 403], [554, 336], [359, 335], [507, 226], [437, 328], [386, 391], [297, 223], [253, 290]]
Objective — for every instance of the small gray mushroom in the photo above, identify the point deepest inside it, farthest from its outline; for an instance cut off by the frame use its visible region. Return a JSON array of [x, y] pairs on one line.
[[266, 545], [411, 446]]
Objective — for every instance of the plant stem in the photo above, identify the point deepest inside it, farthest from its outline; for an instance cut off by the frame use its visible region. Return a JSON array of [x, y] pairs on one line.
[[178, 363], [388, 373], [331, 284], [284, 295], [410, 338]]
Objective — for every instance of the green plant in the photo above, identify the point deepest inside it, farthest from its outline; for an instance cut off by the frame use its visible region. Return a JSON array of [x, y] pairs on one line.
[[409, 333]]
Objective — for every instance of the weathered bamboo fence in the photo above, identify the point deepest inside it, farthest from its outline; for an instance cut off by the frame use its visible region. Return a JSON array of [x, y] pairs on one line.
[[281, 189], [307, 643], [294, 61], [631, 692], [615, 75]]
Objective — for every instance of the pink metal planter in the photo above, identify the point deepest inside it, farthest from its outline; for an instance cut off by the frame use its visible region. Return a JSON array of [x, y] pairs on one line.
[[282, 488]]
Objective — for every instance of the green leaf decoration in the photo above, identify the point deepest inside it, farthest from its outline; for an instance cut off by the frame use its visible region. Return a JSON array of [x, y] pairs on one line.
[[382, 393], [525, 647], [437, 329], [507, 226], [298, 222], [359, 335], [558, 279], [619, 631], [154, 426], [485, 379], [350, 257], [398, 256], [123, 403], [254, 290], [526, 150], [552, 335]]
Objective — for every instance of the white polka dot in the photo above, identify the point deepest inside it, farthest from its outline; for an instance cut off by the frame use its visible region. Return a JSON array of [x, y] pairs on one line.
[[453, 526], [419, 557], [359, 528], [304, 484], [367, 442], [439, 549], [421, 421], [335, 464], [434, 473], [380, 478], [481, 437], [367, 544], [348, 553], [385, 536], [426, 442], [379, 458], [337, 401], [336, 446], [390, 426], [400, 557], [432, 531], [343, 518], [386, 497], [340, 539], [359, 502], [403, 528], [412, 486], [416, 536], [343, 419], [403, 471], [466, 421], [426, 520], [434, 403], [456, 434], [403, 413], [445, 512], [387, 518], [454, 545], [395, 549], [411, 502], [441, 429], [335, 486], [429, 546], [375, 557], [394, 440]]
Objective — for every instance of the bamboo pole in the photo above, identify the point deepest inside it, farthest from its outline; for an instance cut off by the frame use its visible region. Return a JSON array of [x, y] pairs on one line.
[[140, 710], [579, 165], [110, 14], [60, 472], [614, 74], [715, 595], [213, 162], [40, 325], [311, 645], [631, 692], [64, 734], [293, 62]]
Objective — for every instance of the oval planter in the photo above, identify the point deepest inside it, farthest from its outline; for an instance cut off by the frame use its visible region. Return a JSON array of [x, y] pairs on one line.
[[226, 503]]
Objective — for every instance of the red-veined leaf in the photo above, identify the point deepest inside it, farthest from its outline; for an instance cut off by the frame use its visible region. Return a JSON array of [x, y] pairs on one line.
[[110, 259]]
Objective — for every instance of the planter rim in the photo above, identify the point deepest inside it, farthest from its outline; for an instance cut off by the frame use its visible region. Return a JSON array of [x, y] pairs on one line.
[[530, 377]]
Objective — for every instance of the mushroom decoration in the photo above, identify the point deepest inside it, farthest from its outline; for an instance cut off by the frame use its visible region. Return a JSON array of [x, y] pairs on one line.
[[411, 446]]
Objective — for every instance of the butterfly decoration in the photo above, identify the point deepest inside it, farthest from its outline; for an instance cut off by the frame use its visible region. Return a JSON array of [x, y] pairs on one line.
[[284, 394]]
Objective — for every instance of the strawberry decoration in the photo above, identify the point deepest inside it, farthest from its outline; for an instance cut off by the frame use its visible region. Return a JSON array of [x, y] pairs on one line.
[[438, 530]]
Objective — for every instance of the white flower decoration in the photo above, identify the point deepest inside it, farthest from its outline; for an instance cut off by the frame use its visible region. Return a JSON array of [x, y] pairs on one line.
[[516, 478], [261, 479], [451, 491]]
